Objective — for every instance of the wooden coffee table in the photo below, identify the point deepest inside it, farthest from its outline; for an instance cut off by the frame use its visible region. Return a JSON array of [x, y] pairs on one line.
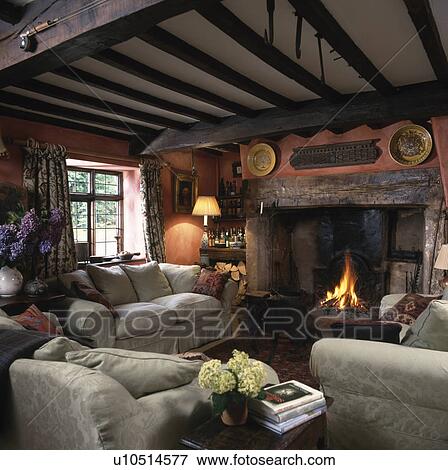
[[214, 435]]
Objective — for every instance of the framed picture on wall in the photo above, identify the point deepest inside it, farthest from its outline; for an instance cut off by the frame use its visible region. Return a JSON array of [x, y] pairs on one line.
[[185, 192]]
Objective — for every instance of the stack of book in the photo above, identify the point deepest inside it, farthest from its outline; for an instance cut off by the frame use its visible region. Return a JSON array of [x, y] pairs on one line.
[[286, 406]]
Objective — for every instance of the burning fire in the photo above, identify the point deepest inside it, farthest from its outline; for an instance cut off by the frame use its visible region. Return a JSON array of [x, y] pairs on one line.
[[344, 294]]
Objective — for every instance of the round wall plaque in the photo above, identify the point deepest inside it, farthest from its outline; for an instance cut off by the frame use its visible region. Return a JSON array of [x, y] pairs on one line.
[[410, 145], [261, 159]]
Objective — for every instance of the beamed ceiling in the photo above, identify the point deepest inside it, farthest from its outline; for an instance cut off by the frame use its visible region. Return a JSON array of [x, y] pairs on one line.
[[211, 66]]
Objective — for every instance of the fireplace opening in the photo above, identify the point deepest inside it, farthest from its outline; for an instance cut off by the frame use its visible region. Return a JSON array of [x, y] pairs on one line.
[[347, 256]]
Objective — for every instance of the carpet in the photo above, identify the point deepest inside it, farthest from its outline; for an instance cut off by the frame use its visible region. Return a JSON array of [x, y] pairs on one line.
[[291, 361]]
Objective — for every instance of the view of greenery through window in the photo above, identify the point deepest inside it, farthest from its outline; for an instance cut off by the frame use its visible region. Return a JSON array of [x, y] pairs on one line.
[[96, 202]]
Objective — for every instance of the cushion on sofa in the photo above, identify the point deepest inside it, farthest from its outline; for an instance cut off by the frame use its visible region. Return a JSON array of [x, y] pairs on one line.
[[33, 319], [186, 303], [66, 281], [3, 314], [8, 323], [86, 292], [142, 319], [211, 282], [181, 278], [140, 373], [56, 349], [113, 283], [430, 330], [408, 308], [148, 281]]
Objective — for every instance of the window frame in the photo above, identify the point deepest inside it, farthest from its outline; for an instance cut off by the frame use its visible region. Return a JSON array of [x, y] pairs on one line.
[[91, 197]]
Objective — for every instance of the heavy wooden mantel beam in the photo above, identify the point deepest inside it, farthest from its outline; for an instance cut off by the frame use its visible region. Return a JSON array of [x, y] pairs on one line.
[[414, 102], [84, 34]]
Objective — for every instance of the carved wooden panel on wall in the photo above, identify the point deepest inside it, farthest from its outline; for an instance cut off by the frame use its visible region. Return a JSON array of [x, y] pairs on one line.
[[361, 152]]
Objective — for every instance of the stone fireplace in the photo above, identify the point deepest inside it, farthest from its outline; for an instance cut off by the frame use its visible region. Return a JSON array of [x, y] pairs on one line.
[[390, 223]]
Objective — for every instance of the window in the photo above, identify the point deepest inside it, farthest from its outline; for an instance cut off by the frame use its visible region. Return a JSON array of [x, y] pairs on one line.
[[96, 206]]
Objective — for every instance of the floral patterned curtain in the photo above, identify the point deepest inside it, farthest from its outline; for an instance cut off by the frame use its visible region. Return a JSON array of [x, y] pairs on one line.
[[152, 208], [46, 180]]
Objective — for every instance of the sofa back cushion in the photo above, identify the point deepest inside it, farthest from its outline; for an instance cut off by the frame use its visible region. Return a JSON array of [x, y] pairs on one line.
[[430, 330], [87, 292], [66, 281], [181, 278], [113, 283], [141, 373], [148, 281]]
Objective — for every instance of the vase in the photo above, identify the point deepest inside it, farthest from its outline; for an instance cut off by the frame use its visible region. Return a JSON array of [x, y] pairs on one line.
[[235, 414], [10, 281], [35, 287]]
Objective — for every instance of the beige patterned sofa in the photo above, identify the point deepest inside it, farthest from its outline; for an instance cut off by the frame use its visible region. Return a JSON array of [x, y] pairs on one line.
[[156, 310], [388, 396]]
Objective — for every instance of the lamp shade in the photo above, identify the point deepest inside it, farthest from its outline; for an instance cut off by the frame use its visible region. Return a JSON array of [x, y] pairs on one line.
[[206, 205], [442, 258]]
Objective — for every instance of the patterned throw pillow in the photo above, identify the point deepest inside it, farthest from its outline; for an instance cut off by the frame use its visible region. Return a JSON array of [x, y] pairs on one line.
[[33, 319], [408, 309], [211, 283], [87, 292]]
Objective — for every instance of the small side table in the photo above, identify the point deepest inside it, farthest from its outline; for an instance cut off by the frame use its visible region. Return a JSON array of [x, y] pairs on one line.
[[214, 435], [20, 302]]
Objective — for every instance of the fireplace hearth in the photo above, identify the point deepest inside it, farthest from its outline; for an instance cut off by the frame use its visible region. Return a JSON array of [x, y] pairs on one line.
[[389, 223]]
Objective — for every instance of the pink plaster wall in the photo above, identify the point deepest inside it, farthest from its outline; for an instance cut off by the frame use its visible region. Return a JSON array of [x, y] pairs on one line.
[[384, 162]]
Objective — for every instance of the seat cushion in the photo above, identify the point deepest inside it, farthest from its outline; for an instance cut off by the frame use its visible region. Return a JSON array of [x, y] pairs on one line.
[[148, 281], [141, 373], [186, 303], [181, 278], [142, 319], [113, 283]]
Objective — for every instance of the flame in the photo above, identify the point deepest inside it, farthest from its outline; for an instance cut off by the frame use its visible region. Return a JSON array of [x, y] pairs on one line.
[[344, 294]]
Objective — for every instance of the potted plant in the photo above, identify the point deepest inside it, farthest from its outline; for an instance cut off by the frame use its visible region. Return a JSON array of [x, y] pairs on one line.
[[22, 242], [232, 385]]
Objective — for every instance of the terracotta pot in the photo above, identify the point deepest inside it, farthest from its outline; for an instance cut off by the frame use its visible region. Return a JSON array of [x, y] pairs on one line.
[[235, 414]]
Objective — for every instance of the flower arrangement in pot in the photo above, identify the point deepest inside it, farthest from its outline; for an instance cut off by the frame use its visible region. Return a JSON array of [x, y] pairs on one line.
[[232, 385], [22, 242]]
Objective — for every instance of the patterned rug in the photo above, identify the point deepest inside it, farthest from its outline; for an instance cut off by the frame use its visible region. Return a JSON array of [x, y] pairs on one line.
[[290, 361]]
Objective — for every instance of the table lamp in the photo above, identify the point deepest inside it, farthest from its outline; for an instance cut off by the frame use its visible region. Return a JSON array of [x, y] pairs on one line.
[[206, 205], [442, 263]]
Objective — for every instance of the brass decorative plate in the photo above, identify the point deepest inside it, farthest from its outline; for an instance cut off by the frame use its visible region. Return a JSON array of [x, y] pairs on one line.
[[261, 159], [410, 145]]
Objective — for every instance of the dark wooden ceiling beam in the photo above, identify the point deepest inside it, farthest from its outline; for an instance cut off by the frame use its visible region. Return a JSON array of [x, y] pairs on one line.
[[10, 13], [68, 113], [151, 75], [101, 83], [411, 102], [231, 25], [315, 13], [98, 104], [175, 46], [34, 117], [80, 35], [423, 19]]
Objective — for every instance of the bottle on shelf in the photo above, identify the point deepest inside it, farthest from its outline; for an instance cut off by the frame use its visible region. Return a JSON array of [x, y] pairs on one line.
[[222, 188]]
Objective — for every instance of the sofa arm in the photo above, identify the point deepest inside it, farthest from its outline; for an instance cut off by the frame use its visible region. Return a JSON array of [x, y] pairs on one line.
[[86, 319], [390, 371], [228, 295], [73, 408]]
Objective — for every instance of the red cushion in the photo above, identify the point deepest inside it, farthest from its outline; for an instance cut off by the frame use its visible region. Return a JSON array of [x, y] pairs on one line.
[[89, 293], [33, 319], [211, 283], [408, 309]]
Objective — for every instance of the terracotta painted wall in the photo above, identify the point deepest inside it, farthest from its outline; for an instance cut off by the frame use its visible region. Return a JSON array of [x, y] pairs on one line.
[[183, 232], [384, 163], [12, 170]]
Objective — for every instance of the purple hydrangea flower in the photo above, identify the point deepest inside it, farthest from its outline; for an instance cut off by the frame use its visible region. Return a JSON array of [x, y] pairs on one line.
[[30, 224]]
